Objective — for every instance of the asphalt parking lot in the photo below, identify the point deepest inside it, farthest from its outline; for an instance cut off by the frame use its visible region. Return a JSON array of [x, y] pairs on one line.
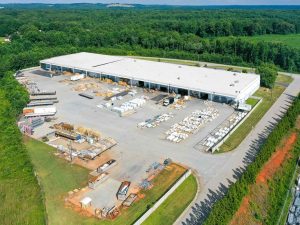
[[137, 148]]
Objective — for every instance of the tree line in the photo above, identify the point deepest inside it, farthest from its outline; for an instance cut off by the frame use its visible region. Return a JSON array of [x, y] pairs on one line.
[[203, 23], [204, 35], [20, 195]]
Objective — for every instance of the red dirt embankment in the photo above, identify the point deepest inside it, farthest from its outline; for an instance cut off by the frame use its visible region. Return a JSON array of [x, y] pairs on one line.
[[243, 215], [276, 160]]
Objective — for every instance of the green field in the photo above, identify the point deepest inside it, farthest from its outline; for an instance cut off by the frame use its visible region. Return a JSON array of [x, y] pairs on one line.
[[175, 204], [58, 177], [292, 40]]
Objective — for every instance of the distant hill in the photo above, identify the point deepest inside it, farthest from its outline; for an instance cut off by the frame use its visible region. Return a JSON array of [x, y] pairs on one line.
[[118, 5]]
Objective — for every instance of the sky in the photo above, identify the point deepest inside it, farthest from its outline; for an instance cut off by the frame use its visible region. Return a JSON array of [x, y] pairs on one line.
[[168, 2]]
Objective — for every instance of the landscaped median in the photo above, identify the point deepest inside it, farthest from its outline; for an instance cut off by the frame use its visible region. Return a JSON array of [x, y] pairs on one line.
[[175, 204], [58, 177]]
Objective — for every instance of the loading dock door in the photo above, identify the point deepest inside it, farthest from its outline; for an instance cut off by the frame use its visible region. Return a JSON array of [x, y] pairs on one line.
[[141, 84], [183, 91], [204, 96], [163, 88]]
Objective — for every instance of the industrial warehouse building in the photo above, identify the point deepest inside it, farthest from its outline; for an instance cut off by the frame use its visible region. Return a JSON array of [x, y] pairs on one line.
[[205, 83]]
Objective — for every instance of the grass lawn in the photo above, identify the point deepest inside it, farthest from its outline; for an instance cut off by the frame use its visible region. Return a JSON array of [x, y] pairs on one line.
[[244, 129], [252, 101], [20, 201], [175, 204], [58, 177], [284, 79]]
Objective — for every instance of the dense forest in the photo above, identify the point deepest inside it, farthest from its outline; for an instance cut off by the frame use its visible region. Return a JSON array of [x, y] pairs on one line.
[[178, 33]]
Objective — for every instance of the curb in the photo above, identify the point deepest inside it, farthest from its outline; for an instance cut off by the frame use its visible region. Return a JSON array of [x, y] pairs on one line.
[[183, 214]]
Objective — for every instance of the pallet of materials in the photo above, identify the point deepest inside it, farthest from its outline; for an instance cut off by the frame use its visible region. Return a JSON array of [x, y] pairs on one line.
[[96, 181], [129, 200], [89, 153], [86, 95], [106, 143], [121, 94], [77, 77], [106, 166]]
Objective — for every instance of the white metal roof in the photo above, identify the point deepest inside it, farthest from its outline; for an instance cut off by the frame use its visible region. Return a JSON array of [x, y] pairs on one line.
[[82, 60], [219, 82]]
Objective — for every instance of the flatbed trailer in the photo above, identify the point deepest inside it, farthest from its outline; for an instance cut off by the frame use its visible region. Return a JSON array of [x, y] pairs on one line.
[[40, 103], [43, 98], [39, 114], [71, 136], [43, 93]]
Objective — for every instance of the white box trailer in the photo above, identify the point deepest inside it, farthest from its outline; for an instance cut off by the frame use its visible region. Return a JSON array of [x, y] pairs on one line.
[[45, 110], [40, 110], [77, 77]]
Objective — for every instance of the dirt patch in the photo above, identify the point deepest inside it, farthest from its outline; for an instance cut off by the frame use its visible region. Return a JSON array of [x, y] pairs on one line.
[[276, 160], [242, 216]]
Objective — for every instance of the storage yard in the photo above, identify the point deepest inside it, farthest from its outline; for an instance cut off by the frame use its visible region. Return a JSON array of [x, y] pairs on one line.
[[102, 124]]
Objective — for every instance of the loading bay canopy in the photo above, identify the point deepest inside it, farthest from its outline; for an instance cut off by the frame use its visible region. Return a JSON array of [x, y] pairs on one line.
[[235, 85]]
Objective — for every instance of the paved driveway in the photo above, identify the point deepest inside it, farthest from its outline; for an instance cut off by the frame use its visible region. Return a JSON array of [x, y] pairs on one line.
[[237, 159]]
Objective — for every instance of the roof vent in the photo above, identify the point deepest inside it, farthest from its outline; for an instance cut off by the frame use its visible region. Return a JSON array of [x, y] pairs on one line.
[[236, 81]]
